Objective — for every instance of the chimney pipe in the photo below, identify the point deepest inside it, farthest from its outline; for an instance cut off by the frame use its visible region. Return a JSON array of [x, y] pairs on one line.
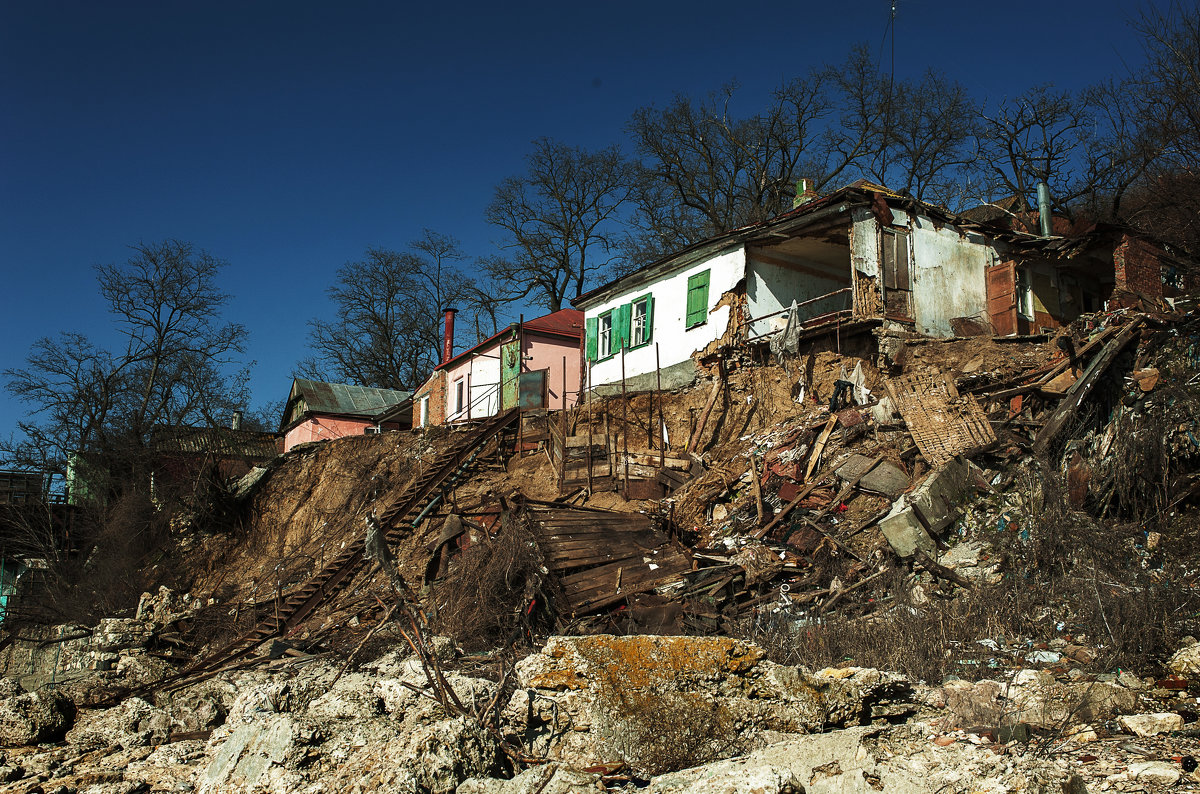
[[1047, 227], [236, 423], [448, 336]]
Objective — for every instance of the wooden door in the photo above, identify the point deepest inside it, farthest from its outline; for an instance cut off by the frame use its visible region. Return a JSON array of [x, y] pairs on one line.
[[1002, 298], [510, 370]]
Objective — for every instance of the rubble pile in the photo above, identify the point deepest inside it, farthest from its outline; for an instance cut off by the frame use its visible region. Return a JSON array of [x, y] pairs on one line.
[[961, 564]]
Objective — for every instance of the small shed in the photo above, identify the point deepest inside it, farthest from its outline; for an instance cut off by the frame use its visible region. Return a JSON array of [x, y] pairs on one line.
[[318, 411]]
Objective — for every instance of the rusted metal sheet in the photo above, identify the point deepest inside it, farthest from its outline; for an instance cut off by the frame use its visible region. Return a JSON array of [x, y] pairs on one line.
[[531, 389], [942, 422]]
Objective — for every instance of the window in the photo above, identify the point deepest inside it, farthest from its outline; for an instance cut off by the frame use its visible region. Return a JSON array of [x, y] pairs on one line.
[[458, 396], [697, 300], [605, 335], [423, 420], [641, 322], [627, 325]]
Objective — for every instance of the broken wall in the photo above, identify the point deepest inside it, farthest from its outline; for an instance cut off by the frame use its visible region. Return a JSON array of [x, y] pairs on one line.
[[948, 273], [675, 342]]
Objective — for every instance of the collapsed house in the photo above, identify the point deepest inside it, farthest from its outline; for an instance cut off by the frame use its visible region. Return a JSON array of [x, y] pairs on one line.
[[848, 264]]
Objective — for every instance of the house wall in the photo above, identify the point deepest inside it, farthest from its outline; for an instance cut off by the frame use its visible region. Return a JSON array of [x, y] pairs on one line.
[[864, 242], [324, 428], [546, 352], [676, 343], [948, 273], [773, 283], [435, 387], [1137, 266], [483, 386]]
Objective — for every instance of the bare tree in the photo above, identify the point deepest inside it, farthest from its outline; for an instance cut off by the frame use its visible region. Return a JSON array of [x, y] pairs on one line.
[[706, 171], [92, 412], [178, 365], [388, 308], [926, 138], [559, 220], [1166, 201]]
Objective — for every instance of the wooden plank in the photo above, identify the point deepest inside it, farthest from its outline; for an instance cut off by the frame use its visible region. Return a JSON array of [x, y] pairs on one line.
[[1083, 387], [812, 486]]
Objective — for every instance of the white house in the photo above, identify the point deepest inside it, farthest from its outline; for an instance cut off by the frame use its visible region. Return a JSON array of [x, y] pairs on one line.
[[857, 259], [854, 258]]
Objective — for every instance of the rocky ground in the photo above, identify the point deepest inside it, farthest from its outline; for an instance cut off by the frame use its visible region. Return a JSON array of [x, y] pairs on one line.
[[669, 714]]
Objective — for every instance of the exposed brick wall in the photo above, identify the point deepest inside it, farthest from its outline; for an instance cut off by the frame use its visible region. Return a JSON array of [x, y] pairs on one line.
[[435, 387], [1138, 267]]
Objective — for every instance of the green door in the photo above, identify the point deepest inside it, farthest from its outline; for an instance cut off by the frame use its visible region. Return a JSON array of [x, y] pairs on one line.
[[510, 370]]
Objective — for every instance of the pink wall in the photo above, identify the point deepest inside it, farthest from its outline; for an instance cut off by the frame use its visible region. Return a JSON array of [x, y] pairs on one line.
[[323, 428], [543, 352]]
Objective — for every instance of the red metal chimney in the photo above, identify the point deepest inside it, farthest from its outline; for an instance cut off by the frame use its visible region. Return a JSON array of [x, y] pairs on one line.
[[448, 336]]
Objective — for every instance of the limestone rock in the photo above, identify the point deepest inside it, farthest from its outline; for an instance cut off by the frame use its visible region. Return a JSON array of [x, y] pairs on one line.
[[551, 778], [1151, 724], [1035, 698], [660, 703], [1158, 773], [134, 723], [34, 717], [1186, 661]]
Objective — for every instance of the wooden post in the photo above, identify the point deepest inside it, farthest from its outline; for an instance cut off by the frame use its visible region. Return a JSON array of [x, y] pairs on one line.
[[468, 391], [662, 444], [624, 421], [589, 424], [694, 441], [562, 477]]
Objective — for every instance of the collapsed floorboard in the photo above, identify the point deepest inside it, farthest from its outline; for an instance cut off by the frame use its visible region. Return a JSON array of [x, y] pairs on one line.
[[603, 558]]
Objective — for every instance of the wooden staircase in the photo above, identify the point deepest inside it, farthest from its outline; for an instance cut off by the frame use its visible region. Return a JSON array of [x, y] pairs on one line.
[[402, 516]]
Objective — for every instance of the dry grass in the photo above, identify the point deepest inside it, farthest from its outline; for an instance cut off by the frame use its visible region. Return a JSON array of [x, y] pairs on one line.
[[657, 733], [484, 600]]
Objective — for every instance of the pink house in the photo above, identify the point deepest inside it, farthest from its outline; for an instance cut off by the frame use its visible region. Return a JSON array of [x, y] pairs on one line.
[[318, 411], [534, 363]]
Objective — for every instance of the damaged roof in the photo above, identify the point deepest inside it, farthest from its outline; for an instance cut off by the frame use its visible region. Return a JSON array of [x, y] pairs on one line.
[[858, 194], [214, 440]]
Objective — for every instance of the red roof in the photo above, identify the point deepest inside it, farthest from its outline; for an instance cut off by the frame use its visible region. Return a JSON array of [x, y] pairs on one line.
[[564, 322]]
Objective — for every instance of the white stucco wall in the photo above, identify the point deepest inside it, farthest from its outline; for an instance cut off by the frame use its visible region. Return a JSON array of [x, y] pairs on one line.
[[676, 343], [485, 374], [771, 287], [948, 274]]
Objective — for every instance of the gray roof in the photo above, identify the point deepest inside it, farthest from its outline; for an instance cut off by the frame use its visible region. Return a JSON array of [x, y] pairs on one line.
[[344, 399]]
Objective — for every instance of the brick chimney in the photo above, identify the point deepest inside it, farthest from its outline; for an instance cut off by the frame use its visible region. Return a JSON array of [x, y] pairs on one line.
[[448, 336]]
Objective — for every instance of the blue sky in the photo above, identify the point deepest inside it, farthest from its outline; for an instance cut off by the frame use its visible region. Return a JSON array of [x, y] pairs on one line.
[[286, 138]]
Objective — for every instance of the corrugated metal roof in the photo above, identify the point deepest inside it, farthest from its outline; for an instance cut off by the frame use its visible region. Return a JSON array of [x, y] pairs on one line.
[[345, 399], [215, 440]]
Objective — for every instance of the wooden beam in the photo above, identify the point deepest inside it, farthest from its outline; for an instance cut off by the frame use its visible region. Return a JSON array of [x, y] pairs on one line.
[[1083, 387]]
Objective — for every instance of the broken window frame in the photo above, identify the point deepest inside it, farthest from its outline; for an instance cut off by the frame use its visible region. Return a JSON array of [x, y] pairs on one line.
[[423, 411]]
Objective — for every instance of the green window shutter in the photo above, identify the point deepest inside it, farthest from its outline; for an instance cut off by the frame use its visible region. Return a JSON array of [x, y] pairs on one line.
[[697, 299], [621, 318], [591, 324], [649, 318]]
